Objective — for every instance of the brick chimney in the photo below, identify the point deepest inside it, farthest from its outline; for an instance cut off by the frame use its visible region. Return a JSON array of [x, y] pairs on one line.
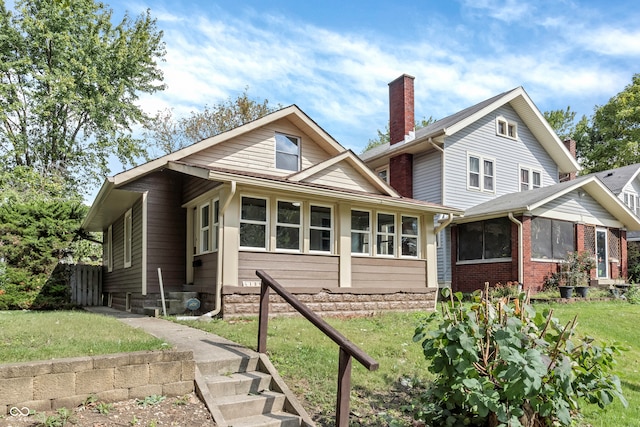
[[401, 122], [401, 117], [571, 146]]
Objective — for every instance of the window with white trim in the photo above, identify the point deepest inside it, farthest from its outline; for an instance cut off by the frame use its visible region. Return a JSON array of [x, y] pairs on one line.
[[530, 179], [506, 128], [409, 236], [215, 225], [481, 173], [128, 230], [288, 226], [287, 152], [631, 200], [320, 238], [360, 232], [253, 223], [108, 249], [385, 234], [205, 228], [383, 173]]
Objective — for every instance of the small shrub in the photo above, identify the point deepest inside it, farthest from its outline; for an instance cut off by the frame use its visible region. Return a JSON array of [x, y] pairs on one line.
[[633, 294], [500, 363]]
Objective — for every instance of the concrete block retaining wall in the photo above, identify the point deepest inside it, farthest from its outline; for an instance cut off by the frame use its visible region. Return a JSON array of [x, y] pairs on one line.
[[53, 384]]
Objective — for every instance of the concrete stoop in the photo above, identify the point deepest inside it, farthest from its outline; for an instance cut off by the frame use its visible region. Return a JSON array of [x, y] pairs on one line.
[[175, 303], [246, 391]]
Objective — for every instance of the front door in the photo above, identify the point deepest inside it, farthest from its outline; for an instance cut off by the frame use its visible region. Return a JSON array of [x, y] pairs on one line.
[[601, 254]]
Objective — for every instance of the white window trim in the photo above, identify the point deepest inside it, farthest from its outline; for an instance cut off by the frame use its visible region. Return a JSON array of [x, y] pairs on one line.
[[507, 125], [275, 151], [482, 160], [316, 227], [266, 223], [215, 224], [128, 225], [394, 234], [369, 232], [108, 250], [202, 229], [531, 171], [288, 225], [413, 236], [384, 168]]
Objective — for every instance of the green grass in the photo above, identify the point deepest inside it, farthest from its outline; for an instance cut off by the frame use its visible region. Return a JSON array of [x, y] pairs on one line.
[[308, 361], [32, 335]]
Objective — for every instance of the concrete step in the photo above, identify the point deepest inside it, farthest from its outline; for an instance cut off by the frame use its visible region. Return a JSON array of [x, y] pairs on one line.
[[238, 383], [183, 296], [244, 363], [152, 311], [280, 419], [248, 405]]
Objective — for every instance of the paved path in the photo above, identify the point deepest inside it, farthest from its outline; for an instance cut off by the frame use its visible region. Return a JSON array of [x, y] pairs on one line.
[[206, 347]]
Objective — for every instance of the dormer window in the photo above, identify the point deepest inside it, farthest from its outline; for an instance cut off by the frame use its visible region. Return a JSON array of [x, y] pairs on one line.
[[506, 128], [287, 152]]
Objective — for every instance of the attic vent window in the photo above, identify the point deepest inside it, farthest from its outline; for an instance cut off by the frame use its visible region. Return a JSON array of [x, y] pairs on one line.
[[506, 128], [287, 152]]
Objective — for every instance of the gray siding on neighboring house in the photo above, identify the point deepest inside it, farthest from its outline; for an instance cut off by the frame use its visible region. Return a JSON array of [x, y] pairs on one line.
[[376, 272], [444, 257], [126, 279], [580, 208], [427, 176], [166, 229], [291, 270], [508, 154]]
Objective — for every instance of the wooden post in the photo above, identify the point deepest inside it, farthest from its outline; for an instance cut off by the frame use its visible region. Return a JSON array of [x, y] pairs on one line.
[[344, 389], [263, 320]]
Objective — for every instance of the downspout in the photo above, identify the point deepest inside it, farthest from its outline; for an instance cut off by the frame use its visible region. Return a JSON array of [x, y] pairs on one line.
[[520, 249], [443, 224], [218, 307]]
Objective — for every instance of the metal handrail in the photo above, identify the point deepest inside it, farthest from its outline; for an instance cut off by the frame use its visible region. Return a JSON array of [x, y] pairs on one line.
[[347, 348]]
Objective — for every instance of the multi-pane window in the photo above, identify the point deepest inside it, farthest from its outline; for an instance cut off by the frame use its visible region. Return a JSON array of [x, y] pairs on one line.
[[551, 239], [385, 234], [128, 230], [530, 179], [383, 174], [320, 229], [506, 128], [253, 223], [631, 200], [205, 220], [360, 232], [288, 224], [287, 152], [481, 173], [484, 240], [409, 236]]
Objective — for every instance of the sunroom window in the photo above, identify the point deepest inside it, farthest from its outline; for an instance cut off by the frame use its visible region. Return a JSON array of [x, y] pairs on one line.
[[385, 236], [288, 226], [484, 240], [253, 223], [551, 238], [360, 232], [320, 229], [409, 236]]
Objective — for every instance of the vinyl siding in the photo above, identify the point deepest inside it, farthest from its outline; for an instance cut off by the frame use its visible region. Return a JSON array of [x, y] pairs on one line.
[[342, 175], [508, 154], [294, 270], [375, 272], [204, 276], [193, 187], [427, 177], [255, 151], [444, 257], [577, 209], [126, 279]]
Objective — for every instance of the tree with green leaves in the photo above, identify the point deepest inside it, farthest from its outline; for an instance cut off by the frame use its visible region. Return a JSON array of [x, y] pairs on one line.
[[69, 82], [383, 137], [611, 139], [170, 134]]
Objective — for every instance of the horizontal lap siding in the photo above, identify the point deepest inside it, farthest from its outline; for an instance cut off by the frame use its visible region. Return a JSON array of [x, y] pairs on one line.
[[343, 176], [255, 151], [427, 177], [204, 275], [126, 279], [290, 269], [369, 272], [193, 187]]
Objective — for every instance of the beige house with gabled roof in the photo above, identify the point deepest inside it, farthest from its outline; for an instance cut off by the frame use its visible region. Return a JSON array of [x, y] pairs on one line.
[[278, 194]]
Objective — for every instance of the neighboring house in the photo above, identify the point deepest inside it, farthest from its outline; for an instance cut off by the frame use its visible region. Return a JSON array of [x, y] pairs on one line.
[[624, 182], [502, 163], [278, 194]]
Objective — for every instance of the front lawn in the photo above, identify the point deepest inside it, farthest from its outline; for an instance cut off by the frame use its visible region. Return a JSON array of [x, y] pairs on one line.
[[42, 335], [308, 361]]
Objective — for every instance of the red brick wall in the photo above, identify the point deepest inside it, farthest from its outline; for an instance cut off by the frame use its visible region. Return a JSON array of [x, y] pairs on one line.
[[401, 115], [401, 174]]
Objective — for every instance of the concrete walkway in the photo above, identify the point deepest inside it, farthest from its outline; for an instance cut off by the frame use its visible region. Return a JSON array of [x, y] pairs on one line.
[[206, 347]]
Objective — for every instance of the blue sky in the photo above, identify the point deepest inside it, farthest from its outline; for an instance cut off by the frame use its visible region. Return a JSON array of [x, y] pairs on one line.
[[334, 59]]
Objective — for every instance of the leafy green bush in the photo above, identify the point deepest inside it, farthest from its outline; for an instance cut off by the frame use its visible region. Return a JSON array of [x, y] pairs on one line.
[[633, 294], [499, 363]]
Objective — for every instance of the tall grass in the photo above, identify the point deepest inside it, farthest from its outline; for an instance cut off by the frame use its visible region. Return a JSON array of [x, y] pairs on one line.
[[31, 335], [308, 361]]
